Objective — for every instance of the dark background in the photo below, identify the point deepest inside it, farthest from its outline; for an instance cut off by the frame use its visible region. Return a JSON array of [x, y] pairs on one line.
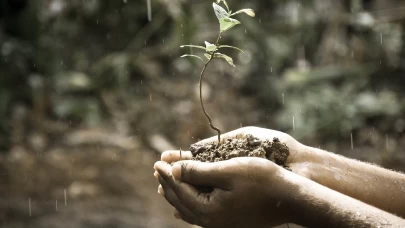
[[92, 91]]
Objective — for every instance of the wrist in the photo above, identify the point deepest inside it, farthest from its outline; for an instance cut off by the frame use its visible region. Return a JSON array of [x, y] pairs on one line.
[[320, 166], [301, 160], [294, 204], [307, 204], [289, 187]]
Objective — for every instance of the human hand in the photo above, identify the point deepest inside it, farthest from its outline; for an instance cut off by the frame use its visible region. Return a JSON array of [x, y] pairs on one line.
[[296, 161], [246, 192]]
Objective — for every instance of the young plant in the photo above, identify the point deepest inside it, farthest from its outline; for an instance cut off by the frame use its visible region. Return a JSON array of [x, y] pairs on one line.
[[226, 22]]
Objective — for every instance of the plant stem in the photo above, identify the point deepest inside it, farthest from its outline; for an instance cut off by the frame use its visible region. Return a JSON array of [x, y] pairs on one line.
[[201, 100]]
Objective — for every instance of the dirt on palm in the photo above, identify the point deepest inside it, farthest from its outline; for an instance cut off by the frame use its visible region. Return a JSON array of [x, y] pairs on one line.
[[247, 146]]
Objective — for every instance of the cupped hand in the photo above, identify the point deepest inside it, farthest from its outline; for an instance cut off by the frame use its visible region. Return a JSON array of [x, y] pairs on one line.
[[296, 161], [245, 192]]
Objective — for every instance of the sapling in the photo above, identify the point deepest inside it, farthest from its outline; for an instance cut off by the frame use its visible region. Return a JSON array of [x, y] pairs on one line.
[[226, 22]]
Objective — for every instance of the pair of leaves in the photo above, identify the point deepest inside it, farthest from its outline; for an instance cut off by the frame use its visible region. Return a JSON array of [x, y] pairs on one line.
[[224, 16], [223, 56], [210, 50], [216, 55], [208, 56]]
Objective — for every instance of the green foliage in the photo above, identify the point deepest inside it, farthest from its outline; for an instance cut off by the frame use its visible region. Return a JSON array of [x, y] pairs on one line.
[[225, 24]]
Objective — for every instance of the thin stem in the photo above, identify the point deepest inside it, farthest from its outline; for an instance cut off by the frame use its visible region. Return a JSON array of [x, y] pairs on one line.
[[201, 100]]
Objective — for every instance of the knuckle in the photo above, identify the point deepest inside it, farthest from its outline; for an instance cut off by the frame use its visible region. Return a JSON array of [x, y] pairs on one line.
[[188, 170], [192, 170]]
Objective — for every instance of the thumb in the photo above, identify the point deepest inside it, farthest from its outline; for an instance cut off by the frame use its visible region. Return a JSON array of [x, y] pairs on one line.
[[203, 174]]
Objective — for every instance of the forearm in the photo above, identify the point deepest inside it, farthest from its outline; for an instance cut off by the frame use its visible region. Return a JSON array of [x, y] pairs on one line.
[[371, 184], [318, 206]]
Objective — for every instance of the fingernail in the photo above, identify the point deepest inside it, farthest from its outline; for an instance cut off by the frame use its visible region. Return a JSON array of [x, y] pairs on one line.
[[176, 171], [160, 190], [177, 216], [156, 174]]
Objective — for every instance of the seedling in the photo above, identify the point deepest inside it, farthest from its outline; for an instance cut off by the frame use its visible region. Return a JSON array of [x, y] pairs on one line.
[[226, 22]]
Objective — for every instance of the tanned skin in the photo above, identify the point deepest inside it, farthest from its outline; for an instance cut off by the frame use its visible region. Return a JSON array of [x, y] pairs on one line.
[[323, 189]]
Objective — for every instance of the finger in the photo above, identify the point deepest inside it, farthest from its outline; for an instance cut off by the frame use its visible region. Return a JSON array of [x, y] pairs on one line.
[[171, 156], [171, 197], [178, 215], [161, 191], [165, 172], [203, 174], [186, 193]]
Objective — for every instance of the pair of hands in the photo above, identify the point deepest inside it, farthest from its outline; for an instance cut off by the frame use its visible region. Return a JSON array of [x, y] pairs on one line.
[[246, 192]]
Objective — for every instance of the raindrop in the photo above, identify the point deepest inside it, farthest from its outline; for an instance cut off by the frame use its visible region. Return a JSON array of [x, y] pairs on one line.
[[149, 10], [29, 206], [150, 97], [293, 121], [125, 1], [351, 140], [283, 97], [386, 141], [381, 38], [64, 193], [56, 205]]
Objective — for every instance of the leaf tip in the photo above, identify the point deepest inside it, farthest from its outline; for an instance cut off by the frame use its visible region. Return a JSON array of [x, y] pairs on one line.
[[250, 12]]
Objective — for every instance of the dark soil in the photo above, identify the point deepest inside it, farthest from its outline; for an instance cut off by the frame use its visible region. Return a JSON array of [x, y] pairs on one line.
[[248, 146]]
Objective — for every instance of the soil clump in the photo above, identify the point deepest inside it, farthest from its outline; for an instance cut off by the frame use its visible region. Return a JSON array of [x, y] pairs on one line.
[[247, 146]]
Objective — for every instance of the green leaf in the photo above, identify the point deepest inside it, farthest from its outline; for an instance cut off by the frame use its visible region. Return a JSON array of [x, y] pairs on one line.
[[210, 47], [193, 56], [226, 4], [227, 23], [219, 11], [193, 46], [249, 12], [227, 46], [227, 58]]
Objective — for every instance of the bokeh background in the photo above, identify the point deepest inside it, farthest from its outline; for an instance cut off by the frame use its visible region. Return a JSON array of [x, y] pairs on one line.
[[91, 92]]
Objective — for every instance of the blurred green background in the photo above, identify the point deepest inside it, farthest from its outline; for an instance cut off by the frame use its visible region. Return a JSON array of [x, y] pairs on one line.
[[92, 91]]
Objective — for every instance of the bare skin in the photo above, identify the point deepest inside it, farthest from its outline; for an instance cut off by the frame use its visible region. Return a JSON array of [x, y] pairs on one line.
[[353, 179]]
